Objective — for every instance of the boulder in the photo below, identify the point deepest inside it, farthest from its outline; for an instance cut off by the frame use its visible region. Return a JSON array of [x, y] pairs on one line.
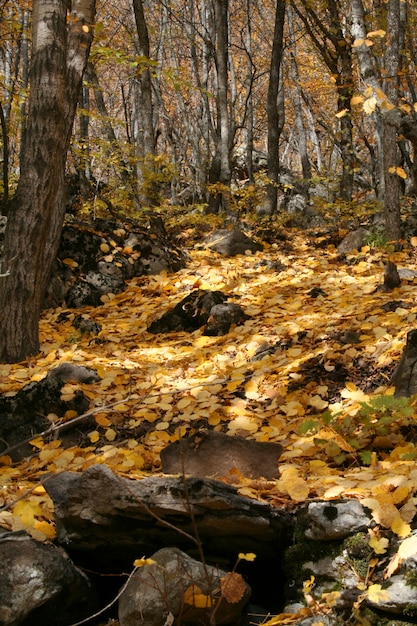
[[175, 586], [40, 584], [209, 453], [100, 512], [231, 242]]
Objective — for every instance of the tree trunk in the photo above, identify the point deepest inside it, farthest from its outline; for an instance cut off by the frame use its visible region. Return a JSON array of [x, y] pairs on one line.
[[391, 154], [220, 168], [272, 108], [60, 46]]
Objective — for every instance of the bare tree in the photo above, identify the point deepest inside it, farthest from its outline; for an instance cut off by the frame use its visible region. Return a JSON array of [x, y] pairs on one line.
[[61, 38]]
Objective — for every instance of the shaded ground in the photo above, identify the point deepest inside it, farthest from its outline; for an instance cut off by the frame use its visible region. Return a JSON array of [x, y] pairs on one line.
[[321, 340]]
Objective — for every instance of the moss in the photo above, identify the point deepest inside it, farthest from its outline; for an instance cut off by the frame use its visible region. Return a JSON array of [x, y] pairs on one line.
[[411, 578], [358, 553], [410, 610]]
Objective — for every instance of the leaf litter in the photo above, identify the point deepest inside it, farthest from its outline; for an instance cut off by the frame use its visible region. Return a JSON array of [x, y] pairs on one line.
[[289, 375]]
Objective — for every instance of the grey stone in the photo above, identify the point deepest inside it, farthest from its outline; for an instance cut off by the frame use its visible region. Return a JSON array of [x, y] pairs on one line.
[[396, 596], [353, 241], [100, 511], [40, 577], [161, 589], [336, 520]]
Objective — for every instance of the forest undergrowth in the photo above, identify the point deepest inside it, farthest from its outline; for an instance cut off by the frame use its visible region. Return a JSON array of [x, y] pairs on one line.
[[309, 369]]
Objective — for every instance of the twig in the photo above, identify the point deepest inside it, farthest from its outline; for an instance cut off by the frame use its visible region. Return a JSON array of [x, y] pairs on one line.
[[101, 611], [56, 428]]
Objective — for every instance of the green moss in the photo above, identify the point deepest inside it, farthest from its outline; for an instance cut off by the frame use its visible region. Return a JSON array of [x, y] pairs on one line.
[[411, 578], [358, 553]]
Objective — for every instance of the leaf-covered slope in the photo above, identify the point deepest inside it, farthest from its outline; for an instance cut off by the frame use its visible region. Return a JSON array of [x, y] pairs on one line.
[[319, 343]]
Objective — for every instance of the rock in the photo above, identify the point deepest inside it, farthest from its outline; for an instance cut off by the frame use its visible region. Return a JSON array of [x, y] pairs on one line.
[[209, 453], [40, 584], [23, 416], [231, 242], [222, 316], [396, 597], [176, 585], [353, 241], [113, 517], [404, 378], [335, 520], [86, 325], [97, 259], [391, 277], [200, 307]]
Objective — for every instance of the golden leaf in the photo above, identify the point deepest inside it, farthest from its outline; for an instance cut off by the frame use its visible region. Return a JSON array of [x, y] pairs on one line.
[[356, 100], [143, 561], [194, 596], [248, 556], [400, 528], [369, 105], [379, 546], [399, 171], [376, 33], [342, 113], [376, 594]]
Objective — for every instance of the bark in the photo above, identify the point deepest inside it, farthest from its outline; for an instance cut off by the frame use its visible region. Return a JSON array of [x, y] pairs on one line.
[[5, 166], [273, 111], [391, 154], [334, 48], [220, 171], [60, 48], [143, 122]]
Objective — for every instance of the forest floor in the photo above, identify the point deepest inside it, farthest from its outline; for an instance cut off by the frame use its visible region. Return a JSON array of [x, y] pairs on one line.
[[322, 389]]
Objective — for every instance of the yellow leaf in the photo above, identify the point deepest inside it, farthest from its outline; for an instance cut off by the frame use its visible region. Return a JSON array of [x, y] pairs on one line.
[[342, 113], [143, 561], [376, 33], [102, 420], [298, 489], [248, 556], [356, 100], [379, 546], [400, 528], [110, 434], [195, 597], [408, 548], [369, 105], [399, 171], [27, 510], [376, 594], [308, 585], [45, 528], [70, 262], [94, 436]]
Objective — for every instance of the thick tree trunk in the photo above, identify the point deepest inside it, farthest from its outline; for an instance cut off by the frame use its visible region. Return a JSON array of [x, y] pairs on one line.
[[272, 108], [60, 47], [220, 167], [391, 154]]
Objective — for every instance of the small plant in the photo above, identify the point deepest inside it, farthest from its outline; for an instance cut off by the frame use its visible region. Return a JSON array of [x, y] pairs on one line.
[[355, 432], [377, 239]]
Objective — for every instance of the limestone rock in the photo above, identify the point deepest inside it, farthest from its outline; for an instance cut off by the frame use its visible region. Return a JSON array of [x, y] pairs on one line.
[[179, 586], [113, 517], [336, 520], [209, 453], [39, 584]]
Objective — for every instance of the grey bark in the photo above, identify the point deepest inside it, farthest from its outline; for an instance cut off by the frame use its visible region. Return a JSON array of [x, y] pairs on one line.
[[60, 48], [275, 121]]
